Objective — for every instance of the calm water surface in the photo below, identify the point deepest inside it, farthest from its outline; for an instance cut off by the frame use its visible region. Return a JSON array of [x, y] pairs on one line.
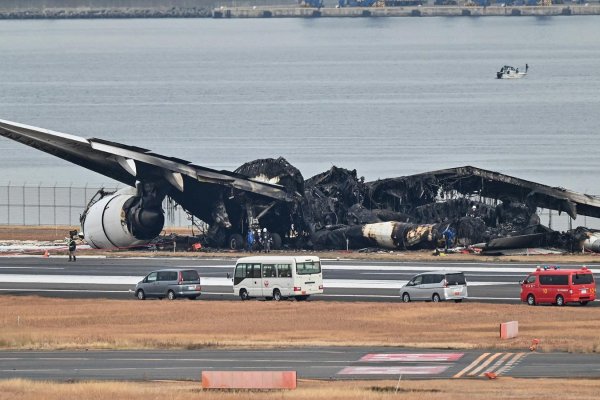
[[388, 97]]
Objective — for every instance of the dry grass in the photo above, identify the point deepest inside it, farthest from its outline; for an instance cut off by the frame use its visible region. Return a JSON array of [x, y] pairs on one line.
[[43, 323], [502, 388]]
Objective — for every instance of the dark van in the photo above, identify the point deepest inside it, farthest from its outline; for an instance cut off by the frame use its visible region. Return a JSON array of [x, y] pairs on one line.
[[169, 283]]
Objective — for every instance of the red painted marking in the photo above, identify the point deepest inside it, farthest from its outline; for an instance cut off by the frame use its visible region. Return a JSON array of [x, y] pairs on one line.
[[408, 370], [411, 357]]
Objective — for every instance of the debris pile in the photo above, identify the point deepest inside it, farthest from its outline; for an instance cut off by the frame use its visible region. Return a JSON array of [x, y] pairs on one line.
[[337, 209]]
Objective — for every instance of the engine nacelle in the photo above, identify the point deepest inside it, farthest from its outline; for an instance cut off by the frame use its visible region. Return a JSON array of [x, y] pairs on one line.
[[120, 220]]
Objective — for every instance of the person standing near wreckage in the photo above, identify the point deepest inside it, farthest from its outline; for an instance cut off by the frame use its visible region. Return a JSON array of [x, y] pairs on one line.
[[448, 238], [266, 241], [72, 249], [250, 240]]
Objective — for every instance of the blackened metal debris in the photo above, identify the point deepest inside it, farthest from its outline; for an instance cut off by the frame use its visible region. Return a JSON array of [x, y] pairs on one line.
[[337, 209]]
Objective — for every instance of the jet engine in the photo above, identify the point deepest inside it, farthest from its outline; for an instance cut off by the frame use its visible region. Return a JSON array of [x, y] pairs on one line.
[[126, 218]]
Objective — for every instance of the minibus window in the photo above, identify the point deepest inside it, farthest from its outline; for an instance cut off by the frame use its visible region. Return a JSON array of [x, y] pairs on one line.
[[530, 279], [240, 271], [307, 268], [269, 271], [284, 270], [256, 270], [583, 279]]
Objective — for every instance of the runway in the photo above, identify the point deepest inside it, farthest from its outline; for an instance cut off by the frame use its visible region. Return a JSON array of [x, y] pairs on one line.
[[344, 280], [339, 363]]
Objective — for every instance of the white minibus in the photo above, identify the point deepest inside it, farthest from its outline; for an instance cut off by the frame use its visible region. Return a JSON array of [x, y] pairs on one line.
[[277, 277]]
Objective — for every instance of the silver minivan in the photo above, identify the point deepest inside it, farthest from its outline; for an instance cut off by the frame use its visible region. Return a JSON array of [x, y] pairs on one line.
[[435, 286], [169, 283]]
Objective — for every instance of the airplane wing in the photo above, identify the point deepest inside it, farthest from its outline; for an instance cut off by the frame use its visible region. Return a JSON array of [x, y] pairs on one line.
[[192, 186], [469, 180]]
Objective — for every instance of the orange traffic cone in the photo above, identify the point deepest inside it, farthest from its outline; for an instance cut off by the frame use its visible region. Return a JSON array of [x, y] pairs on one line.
[[534, 344], [46, 254], [491, 375]]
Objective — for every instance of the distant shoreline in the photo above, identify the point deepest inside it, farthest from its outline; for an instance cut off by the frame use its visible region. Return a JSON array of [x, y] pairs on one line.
[[299, 12]]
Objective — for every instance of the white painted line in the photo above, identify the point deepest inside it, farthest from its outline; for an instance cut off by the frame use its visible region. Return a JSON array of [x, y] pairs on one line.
[[36, 267], [467, 268], [419, 370], [411, 357], [64, 290], [204, 281]]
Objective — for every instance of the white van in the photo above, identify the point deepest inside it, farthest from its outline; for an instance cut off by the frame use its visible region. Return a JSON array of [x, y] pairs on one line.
[[435, 286], [275, 277]]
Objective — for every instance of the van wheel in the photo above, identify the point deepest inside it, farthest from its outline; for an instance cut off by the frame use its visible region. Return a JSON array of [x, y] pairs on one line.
[[583, 303], [140, 295], [560, 301], [171, 295], [406, 297], [244, 294], [531, 300], [276, 295], [435, 298]]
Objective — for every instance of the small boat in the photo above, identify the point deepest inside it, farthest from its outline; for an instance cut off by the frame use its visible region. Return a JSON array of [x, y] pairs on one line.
[[508, 72]]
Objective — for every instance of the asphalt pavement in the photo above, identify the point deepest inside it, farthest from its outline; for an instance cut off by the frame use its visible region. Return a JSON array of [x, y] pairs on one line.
[[337, 363], [344, 280]]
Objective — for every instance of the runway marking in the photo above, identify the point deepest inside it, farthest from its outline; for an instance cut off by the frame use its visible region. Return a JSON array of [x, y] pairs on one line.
[[36, 267], [509, 365], [64, 290], [497, 364], [204, 281], [405, 370], [484, 364], [480, 366], [468, 367], [411, 357]]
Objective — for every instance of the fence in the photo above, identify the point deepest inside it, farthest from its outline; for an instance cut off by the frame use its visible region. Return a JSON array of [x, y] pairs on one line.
[[60, 205]]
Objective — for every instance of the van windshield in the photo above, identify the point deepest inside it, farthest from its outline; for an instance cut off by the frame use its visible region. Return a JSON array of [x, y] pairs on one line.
[[456, 279], [582, 279], [309, 267], [189, 275]]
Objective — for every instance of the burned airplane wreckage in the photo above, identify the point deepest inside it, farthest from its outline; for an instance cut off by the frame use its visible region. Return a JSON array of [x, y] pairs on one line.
[[333, 210], [467, 205]]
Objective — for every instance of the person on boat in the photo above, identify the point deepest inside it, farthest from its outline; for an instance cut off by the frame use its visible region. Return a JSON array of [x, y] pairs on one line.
[[526, 67]]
